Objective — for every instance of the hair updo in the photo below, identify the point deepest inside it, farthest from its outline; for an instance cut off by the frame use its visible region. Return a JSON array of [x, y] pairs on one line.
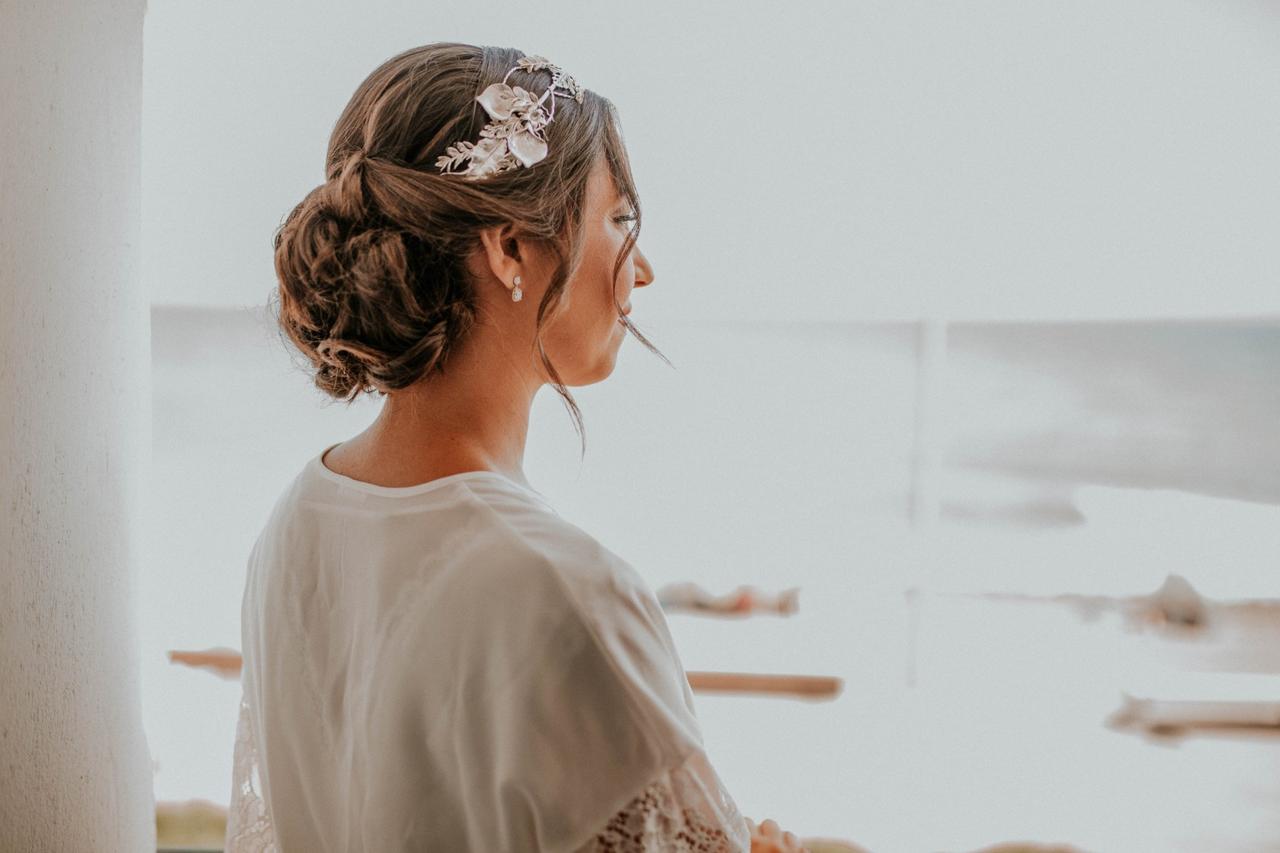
[[371, 265]]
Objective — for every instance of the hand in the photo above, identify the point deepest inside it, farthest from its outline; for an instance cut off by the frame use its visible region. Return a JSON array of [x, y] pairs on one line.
[[768, 837]]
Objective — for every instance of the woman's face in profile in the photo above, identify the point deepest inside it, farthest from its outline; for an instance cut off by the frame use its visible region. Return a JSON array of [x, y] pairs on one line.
[[583, 341]]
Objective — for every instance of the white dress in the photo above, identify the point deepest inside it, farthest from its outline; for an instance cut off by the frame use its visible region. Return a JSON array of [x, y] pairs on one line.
[[453, 666]]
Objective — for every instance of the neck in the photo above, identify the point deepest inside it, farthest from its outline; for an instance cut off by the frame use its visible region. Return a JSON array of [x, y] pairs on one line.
[[472, 416]]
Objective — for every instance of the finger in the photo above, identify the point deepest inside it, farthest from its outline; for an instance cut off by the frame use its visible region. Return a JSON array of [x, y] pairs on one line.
[[770, 827], [790, 839]]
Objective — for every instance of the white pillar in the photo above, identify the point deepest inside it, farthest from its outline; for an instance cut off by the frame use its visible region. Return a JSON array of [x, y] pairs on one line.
[[75, 773]]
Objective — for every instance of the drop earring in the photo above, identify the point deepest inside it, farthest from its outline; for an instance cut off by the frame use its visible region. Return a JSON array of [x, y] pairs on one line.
[[516, 295]]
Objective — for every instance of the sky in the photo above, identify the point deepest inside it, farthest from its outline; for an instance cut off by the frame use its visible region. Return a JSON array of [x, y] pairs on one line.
[[860, 161]]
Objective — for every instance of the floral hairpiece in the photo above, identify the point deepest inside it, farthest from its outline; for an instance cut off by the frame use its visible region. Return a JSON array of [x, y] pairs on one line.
[[515, 138]]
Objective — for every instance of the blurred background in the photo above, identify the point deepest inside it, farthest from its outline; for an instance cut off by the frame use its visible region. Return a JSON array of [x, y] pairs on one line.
[[974, 311]]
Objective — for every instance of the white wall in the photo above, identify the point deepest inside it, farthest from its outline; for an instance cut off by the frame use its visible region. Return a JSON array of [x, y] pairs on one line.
[[75, 429], [1104, 158]]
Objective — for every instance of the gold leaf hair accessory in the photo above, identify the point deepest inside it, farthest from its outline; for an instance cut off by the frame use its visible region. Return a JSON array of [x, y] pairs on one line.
[[515, 138]]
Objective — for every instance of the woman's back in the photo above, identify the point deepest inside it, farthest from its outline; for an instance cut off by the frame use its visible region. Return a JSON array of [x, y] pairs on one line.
[[451, 666]]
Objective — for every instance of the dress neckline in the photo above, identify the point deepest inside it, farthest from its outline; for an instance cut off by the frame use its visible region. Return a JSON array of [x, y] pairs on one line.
[[317, 464]]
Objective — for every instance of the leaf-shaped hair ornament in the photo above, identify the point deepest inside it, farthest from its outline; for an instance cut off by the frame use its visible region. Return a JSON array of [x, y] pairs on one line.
[[515, 137]]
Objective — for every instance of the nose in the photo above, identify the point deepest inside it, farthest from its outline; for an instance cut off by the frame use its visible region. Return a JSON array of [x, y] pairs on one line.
[[644, 270]]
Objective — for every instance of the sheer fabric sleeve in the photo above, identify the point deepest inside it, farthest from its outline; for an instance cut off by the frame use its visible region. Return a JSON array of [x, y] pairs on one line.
[[582, 720], [684, 810], [249, 827]]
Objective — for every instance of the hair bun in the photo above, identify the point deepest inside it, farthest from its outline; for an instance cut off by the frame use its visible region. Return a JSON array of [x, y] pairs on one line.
[[367, 302]]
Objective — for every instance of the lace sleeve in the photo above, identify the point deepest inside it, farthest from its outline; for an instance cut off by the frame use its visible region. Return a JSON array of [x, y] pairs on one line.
[[685, 810], [248, 822]]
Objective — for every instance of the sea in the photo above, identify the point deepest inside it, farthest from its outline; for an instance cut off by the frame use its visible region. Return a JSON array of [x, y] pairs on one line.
[[865, 463]]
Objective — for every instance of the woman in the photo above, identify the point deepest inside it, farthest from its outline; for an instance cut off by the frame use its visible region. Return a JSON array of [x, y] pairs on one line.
[[434, 659]]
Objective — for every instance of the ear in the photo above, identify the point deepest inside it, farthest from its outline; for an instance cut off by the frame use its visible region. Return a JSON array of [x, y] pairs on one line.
[[504, 253]]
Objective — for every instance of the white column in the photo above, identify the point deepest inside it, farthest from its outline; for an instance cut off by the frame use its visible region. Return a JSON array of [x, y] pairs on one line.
[[75, 773]]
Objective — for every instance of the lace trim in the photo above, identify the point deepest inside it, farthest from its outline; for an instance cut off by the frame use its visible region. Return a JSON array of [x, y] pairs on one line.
[[249, 827], [686, 810]]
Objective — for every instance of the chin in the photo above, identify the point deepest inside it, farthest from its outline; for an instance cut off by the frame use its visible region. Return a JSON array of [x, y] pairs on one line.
[[602, 370]]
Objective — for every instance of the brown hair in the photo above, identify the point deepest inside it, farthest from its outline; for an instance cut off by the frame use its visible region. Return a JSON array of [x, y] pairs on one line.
[[373, 283]]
